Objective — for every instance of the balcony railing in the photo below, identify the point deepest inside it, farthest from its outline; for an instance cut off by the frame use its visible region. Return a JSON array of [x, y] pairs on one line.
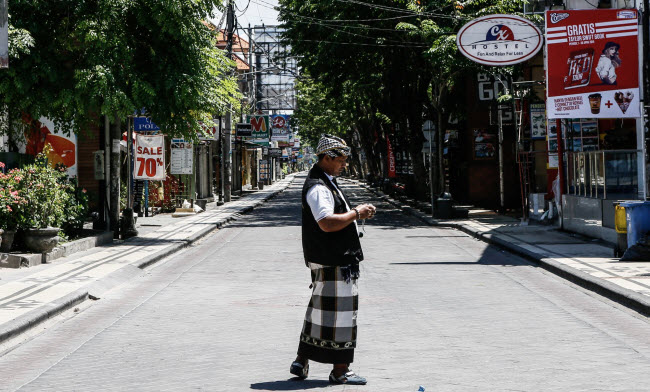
[[606, 174]]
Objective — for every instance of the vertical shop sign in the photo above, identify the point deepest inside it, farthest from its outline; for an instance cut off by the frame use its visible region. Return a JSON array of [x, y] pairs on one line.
[[149, 157], [182, 157], [260, 127], [280, 130], [4, 34], [593, 63], [392, 173]]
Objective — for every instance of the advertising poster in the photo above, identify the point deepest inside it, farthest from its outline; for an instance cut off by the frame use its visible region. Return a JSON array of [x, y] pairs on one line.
[[593, 63], [537, 121], [4, 34], [39, 133], [182, 161], [485, 144], [149, 158], [280, 130]]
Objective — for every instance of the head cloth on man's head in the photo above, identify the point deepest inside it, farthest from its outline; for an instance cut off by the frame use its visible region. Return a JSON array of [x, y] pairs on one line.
[[333, 146]]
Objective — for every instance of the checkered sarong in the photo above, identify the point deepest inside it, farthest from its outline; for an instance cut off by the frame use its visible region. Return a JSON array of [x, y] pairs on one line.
[[329, 334]]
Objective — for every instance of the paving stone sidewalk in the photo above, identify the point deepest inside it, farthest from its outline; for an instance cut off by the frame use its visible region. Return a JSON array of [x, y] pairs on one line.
[[584, 261], [30, 296]]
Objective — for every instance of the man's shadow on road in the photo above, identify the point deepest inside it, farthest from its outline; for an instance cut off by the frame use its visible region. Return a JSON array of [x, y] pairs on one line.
[[292, 384]]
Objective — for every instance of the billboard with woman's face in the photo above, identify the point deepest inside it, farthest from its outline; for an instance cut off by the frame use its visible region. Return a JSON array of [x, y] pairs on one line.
[[593, 63]]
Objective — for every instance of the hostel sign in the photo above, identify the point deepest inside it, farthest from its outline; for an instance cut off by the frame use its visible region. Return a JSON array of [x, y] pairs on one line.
[[499, 40], [593, 63]]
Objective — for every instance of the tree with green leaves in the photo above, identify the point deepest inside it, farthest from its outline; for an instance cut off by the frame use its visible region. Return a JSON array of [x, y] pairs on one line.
[[75, 60], [384, 67]]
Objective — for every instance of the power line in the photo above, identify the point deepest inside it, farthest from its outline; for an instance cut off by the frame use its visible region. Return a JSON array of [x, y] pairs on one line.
[[362, 44], [245, 9]]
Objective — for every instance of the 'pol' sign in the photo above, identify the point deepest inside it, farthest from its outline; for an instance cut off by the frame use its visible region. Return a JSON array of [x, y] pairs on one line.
[[499, 40]]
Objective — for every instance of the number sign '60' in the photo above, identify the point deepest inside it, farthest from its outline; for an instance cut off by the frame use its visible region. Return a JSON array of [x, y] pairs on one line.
[[149, 157]]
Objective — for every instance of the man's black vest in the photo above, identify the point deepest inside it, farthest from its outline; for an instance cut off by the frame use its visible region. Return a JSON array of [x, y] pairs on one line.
[[332, 249]]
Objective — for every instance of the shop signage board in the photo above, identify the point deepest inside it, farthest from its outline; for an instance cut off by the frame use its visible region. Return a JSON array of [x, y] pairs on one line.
[[593, 63], [280, 130], [499, 40], [260, 126], [209, 133], [182, 157], [275, 152], [244, 129], [4, 35], [143, 124], [149, 157]]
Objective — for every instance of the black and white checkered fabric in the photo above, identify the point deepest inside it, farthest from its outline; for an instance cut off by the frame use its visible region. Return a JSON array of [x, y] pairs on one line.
[[329, 334], [333, 146]]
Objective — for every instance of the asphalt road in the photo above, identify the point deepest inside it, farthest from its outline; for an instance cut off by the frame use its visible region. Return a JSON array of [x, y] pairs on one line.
[[438, 309]]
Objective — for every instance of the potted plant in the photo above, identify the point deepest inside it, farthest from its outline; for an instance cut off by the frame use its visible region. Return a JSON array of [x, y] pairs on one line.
[[12, 203], [44, 188]]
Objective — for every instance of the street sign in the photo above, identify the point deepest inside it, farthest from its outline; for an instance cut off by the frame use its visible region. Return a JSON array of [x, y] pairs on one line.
[[149, 157], [244, 130], [182, 157], [141, 124]]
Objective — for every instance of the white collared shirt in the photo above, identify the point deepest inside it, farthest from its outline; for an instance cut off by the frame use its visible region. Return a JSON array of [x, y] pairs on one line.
[[321, 201]]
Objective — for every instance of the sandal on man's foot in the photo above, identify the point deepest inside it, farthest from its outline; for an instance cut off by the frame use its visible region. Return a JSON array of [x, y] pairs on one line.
[[300, 370], [350, 378]]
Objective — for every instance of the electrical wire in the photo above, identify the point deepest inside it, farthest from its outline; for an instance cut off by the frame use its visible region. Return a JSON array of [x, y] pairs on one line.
[[245, 9]]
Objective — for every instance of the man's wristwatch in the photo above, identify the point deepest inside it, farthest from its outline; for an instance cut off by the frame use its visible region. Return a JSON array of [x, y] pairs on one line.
[[358, 215]]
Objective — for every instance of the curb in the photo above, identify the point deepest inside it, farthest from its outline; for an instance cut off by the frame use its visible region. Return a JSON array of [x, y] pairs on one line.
[[95, 289], [626, 297]]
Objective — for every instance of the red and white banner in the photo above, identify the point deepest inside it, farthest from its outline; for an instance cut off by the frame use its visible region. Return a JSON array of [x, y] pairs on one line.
[[149, 157], [592, 63], [392, 170]]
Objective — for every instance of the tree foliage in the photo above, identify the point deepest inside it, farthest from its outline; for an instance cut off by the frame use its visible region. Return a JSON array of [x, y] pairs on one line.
[[74, 60], [383, 67]]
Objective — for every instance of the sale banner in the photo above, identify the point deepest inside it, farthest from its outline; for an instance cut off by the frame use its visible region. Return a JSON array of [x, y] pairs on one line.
[[593, 63], [149, 157]]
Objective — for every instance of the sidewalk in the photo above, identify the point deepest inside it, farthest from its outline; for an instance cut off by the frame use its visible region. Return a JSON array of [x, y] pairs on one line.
[[32, 295], [579, 259]]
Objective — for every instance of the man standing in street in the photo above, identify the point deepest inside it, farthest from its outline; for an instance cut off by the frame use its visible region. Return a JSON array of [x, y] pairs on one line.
[[332, 251]]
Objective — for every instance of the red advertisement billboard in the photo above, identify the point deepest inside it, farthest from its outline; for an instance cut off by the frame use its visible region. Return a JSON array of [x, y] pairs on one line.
[[592, 63]]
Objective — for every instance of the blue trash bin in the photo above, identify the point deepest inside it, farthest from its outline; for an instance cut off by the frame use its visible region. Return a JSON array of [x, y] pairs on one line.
[[637, 214]]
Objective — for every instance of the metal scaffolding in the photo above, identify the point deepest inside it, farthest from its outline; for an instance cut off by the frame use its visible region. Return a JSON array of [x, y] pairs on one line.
[[275, 71]]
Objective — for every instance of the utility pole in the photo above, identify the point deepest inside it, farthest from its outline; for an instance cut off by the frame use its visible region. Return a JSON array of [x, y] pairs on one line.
[[116, 136], [227, 139]]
